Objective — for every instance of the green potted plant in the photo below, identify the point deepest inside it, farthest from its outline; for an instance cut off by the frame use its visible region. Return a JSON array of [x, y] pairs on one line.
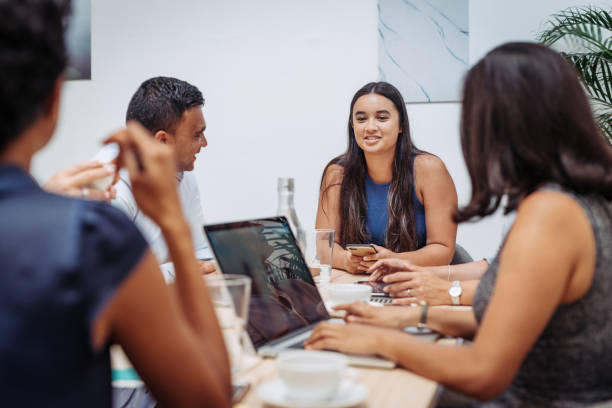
[[584, 36]]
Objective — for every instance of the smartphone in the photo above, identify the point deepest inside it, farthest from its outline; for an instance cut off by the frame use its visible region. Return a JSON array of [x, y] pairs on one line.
[[239, 390], [377, 287], [361, 249]]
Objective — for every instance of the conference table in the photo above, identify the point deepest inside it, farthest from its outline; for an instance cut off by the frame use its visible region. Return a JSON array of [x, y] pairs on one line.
[[387, 388]]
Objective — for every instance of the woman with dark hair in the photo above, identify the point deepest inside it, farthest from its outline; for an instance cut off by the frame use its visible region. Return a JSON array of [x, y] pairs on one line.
[[77, 275], [385, 191], [542, 316]]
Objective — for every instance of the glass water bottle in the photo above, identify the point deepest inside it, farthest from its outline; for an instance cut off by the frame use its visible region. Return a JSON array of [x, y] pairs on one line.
[[286, 188]]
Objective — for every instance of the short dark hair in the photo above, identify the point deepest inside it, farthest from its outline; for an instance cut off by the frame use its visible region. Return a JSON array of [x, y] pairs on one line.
[[159, 103], [526, 121], [32, 57]]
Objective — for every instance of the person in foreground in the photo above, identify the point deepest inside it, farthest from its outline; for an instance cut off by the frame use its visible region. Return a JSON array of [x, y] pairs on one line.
[[77, 274], [385, 191], [542, 317], [171, 110]]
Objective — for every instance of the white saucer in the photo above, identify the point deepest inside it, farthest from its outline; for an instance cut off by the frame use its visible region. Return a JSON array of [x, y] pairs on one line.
[[349, 394]]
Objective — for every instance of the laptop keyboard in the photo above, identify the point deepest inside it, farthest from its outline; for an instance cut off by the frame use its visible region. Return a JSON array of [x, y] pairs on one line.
[[381, 300]]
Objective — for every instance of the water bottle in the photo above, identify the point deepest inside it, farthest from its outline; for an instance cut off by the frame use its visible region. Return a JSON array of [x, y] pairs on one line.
[[286, 187]]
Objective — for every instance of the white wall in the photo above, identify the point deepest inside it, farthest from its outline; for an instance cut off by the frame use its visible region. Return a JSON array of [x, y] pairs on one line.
[[278, 77]]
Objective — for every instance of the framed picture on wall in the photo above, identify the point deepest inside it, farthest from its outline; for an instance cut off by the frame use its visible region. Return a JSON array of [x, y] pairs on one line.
[[423, 47], [78, 41]]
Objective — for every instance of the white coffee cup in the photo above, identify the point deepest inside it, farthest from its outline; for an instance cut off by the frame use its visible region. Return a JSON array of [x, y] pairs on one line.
[[343, 293], [311, 375]]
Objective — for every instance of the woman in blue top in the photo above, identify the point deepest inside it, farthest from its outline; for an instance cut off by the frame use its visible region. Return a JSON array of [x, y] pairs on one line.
[[385, 191], [77, 275]]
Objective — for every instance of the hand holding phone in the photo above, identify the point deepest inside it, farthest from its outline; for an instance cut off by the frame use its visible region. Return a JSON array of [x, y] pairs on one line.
[[361, 249]]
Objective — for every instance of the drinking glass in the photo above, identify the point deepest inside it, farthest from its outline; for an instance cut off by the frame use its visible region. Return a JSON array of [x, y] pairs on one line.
[[319, 253], [230, 295]]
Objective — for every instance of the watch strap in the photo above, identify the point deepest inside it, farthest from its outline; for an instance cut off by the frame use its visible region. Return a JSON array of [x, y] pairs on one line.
[[423, 319], [456, 300]]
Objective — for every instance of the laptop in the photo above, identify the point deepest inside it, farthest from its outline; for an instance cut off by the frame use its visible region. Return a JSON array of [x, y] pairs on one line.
[[285, 303]]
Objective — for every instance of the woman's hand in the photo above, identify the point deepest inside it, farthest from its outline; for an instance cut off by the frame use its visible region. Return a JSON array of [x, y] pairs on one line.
[[381, 253], [388, 266], [152, 169], [206, 267], [389, 316], [419, 285], [352, 263], [348, 338], [75, 181]]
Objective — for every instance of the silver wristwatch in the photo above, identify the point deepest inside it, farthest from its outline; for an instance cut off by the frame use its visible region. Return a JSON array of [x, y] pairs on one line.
[[455, 292]]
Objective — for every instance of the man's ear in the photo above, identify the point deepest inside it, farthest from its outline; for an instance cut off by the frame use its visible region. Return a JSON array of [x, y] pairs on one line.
[[163, 137]]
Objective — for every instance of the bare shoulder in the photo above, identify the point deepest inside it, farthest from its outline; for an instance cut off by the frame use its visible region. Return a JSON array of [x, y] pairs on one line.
[[552, 219], [333, 175], [550, 207], [552, 233], [426, 163], [431, 173]]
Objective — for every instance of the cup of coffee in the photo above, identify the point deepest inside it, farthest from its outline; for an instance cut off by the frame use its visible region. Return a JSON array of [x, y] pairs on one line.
[[343, 293], [311, 375]]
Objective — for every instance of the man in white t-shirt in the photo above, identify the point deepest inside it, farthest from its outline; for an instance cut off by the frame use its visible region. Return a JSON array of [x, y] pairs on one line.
[[171, 110]]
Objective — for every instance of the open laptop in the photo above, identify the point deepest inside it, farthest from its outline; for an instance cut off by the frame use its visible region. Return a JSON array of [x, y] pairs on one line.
[[285, 303]]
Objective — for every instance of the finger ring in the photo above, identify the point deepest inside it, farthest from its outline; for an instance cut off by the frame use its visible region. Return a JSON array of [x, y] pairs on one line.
[[84, 192], [407, 292]]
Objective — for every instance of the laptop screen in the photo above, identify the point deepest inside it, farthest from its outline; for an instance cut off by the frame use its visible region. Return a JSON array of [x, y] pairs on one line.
[[284, 297]]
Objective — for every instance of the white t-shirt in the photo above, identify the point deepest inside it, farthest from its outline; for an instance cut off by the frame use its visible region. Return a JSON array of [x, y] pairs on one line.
[[189, 195]]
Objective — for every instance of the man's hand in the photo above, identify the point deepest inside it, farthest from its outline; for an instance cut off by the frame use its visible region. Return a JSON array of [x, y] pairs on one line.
[[75, 181], [206, 267]]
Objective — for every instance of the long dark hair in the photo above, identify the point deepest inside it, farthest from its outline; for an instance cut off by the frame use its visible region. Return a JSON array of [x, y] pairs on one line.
[[526, 121], [401, 230]]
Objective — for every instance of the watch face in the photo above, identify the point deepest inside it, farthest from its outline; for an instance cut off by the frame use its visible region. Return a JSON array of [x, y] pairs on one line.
[[455, 291]]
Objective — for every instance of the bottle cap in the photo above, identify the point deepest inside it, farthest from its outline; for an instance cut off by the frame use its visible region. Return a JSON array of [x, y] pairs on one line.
[[285, 184]]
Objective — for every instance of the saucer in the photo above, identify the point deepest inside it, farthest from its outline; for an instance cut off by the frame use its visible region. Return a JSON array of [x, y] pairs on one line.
[[349, 394]]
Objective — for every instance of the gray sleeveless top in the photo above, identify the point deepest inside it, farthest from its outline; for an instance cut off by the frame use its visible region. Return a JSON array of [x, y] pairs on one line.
[[570, 365]]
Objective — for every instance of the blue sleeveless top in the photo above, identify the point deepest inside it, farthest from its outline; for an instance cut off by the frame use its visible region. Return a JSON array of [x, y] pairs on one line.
[[377, 199]]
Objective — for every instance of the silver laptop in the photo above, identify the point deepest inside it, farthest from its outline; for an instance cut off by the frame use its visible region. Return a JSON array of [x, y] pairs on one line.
[[285, 303]]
